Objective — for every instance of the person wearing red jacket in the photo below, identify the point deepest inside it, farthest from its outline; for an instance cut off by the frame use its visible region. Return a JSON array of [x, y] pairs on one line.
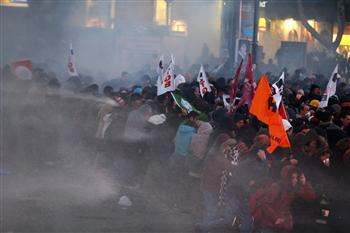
[[271, 206]]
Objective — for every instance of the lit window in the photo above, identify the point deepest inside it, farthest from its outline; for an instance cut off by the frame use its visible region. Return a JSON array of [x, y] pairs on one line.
[[14, 3], [98, 13], [262, 24], [179, 26], [160, 12], [311, 22], [345, 40]]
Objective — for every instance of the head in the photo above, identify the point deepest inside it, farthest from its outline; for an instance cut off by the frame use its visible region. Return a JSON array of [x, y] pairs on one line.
[[220, 139], [196, 91], [192, 117], [304, 109], [107, 91], [309, 142], [323, 116], [125, 75], [145, 110], [239, 120], [290, 175], [315, 90], [136, 100], [324, 156], [299, 94], [345, 118], [145, 80]]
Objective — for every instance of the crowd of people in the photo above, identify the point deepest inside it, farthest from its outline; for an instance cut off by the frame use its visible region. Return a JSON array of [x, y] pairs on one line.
[[216, 166]]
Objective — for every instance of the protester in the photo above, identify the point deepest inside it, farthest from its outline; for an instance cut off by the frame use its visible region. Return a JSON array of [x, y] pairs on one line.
[[235, 153], [271, 206]]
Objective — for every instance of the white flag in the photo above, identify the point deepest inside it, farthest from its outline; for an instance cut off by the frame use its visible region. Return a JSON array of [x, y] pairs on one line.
[[331, 88], [72, 69], [203, 82], [278, 90], [167, 83]]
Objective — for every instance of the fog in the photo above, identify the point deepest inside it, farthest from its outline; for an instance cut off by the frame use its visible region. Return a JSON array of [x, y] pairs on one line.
[[129, 41], [58, 174]]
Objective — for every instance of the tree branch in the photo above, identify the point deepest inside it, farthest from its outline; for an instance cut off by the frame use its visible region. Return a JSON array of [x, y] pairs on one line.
[[341, 24]]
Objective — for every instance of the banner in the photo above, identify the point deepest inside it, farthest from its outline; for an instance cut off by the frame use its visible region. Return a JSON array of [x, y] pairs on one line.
[[265, 109], [167, 82], [248, 85], [278, 90], [203, 82], [331, 88], [186, 106]]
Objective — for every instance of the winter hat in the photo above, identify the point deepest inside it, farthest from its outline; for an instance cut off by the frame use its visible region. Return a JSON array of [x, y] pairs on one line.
[[137, 90], [314, 103], [157, 119], [204, 128], [179, 80], [286, 124]]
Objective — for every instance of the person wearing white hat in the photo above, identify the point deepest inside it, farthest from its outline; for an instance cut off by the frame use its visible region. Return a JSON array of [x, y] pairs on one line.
[[179, 79]]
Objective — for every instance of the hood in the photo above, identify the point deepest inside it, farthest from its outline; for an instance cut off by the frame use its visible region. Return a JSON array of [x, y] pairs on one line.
[[286, 174], [205, 128], [186, 129]]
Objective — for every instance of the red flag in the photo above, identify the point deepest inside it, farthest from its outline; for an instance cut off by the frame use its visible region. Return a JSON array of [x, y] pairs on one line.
[[22, 69], [234, 87], [264, 108], [248, 86]]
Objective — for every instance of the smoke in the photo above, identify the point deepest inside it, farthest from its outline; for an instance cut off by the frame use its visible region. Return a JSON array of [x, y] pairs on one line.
[[45, 152], [130, 41]]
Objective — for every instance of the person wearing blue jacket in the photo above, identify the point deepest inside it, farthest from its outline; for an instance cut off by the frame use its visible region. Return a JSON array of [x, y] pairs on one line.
[[177, 163]]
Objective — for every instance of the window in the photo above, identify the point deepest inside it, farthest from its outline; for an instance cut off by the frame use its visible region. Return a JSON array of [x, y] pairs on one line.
[[160, 16], [179, 26], [98, 13]]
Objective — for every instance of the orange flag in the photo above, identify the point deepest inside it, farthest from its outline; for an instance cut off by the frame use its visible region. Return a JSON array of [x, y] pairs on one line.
[[264, 108]]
